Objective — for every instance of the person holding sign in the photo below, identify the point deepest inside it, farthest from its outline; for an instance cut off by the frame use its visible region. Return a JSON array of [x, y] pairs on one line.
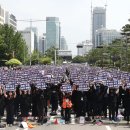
[[10, 97]]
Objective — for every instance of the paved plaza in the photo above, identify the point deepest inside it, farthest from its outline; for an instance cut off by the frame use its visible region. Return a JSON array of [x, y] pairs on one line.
[[76, 127]]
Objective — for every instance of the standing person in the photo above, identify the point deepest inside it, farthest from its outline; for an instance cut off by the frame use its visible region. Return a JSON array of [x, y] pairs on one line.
[[127, 104], [91, 101], [10, 97], [54, 100], [105, 101], [75, 99], [34, 96], [81, 104], [41, 104], [2, 103], [16, 108], [112, 102], [67, 105], [25, 104]]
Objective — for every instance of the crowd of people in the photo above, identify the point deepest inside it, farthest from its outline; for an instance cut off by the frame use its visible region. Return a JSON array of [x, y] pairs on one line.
[[97, 102]]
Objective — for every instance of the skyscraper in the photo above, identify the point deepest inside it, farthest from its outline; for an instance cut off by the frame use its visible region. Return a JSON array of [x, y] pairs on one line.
[[2, 15], [106, 36], [52, 32], [28, 36], [63, 43], [10, 19], [7, 18], [98, 21], [35, 30]]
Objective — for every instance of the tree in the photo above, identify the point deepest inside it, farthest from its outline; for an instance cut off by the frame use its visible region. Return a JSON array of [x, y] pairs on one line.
[[79, 59], [126, 28], [51, 52], [11, 44]]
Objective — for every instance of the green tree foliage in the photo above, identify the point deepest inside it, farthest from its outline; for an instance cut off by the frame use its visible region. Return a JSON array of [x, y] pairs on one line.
[[13, 62], [51, 53], [45, 61], [108, 55], [11, 44], [35, 58], [116, 54], [79, 59], [126, 28]]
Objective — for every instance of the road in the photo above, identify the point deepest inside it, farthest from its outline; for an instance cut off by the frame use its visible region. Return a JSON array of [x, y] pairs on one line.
[[75, 127]]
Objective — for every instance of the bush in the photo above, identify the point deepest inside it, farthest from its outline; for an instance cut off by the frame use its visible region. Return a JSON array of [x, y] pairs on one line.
[[13, 62], [45, 61]]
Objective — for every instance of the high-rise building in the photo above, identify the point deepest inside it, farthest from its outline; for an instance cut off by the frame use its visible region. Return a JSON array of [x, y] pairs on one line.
[[80, 49], [98, 21], [10, 19], [7, 18], [41, 47], [105, 36], [63, 44], [2, 15], [35, 30], [52, 32], [28, 36], [84, 48]]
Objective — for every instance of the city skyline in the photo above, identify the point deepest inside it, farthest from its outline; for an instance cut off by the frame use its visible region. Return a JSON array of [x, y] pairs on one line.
[[74, 15]]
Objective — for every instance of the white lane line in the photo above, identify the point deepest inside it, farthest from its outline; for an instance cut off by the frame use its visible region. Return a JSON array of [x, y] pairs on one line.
[[108, 127]]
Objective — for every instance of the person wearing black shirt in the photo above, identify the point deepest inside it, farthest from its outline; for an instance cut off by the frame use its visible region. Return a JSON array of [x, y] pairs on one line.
[[10, 96]]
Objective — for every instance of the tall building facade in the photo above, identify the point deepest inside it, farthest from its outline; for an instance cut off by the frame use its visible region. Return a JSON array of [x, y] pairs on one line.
[[28, 36], [2, 15], [84, 48], [10, 19], [63, 43], [7, 18], [41, 45], [105, 36], [35, 30], [98, 21], [52, 32]]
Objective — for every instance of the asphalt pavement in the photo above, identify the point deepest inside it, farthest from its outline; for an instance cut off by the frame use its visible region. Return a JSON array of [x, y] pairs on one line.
[[75, 127]]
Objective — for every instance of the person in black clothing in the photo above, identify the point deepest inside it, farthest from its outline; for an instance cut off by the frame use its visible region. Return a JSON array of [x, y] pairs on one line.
[[17, 100], [10, 96], [75, 99], [127, 104], [54, 100], [34, 96], [25, 104], [105, 101], [120, 98], [112, 102], [99, 100], [91, 100], [41, 105], [2, 103], [81, 104]]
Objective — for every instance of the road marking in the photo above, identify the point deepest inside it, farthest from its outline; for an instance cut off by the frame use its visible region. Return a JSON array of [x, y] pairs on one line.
[[108, 127]]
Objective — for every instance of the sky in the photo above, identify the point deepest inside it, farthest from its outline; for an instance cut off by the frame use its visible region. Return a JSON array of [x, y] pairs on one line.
[[74, 15]]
